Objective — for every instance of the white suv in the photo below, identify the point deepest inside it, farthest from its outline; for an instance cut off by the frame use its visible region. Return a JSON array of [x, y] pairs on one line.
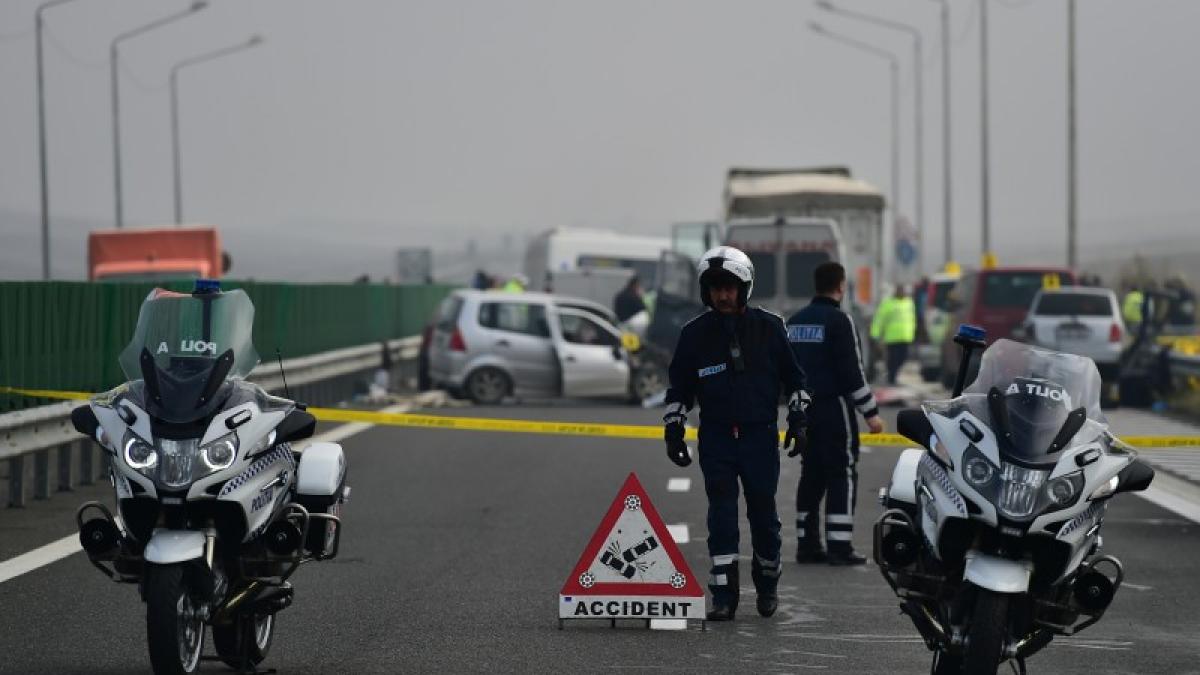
[[1079, 320]]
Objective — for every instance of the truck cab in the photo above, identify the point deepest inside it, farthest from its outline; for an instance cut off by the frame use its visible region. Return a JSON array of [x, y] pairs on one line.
[[156, 254]]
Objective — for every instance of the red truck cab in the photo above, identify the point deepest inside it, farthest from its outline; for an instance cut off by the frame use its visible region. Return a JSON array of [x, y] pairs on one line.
[[156, 254]]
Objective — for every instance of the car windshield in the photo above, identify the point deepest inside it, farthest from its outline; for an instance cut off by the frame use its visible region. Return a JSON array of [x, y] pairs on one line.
[[1040, 388], [1074, 304], [187, 348], [1016, 289]]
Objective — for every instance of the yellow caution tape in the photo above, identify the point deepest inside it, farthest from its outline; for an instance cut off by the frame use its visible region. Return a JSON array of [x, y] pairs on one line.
[[47, 393], [592, 429]]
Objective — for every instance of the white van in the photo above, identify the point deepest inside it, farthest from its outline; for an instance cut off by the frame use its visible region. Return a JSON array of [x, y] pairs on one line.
[[564, 249]]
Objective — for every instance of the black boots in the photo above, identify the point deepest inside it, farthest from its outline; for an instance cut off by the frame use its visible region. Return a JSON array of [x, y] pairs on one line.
[[725, 592], [811, 554], [766, 582]]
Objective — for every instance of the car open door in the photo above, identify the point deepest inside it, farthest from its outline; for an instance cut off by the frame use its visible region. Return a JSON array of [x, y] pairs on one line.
[[676, 302], [590, 354]]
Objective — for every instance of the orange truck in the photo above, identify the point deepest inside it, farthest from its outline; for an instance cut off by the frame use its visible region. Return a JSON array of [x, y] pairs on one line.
[[156, 254]]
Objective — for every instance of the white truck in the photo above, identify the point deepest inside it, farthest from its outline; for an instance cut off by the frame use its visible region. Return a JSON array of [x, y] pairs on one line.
[[856, 207], [591, 261]]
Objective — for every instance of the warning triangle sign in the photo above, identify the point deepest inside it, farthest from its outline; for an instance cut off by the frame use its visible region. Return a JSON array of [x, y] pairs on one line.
[[631, 569]]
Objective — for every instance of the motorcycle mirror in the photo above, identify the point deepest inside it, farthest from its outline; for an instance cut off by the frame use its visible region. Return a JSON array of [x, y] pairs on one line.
[[297, 426], [1135, 477], [84, 420]]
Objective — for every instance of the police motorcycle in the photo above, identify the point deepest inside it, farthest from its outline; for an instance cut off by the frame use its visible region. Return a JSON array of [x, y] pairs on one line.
[[215, 510], [991, 533]]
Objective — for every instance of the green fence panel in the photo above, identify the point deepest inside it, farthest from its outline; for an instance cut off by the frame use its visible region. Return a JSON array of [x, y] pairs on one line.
[[67, 335]]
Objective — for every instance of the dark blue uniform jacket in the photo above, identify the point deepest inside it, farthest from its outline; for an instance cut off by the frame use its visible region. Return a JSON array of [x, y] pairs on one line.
[[703, 369], [827, 348]]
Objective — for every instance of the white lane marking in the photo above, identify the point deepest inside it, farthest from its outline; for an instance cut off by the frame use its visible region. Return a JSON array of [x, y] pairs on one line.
[[1136, 587], [679, 533], [679, 484], [39, 557], [1175, 495], [68, 545], [668, 624]]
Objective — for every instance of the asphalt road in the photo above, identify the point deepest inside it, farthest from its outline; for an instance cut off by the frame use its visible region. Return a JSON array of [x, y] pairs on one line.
[[457, 543]]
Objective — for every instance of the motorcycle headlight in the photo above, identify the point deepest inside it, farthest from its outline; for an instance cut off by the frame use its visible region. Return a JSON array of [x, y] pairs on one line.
[[978, 471], [1019, 490], [139, 454], [219, 454], [178, 462], [1064, 490]]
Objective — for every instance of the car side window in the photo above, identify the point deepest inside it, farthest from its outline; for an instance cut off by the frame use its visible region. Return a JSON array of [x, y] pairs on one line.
[[583, 331], [514, 317]]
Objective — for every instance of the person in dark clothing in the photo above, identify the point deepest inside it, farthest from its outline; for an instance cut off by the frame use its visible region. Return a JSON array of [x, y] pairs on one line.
[[735, 362], [629, 301], [827, 347]]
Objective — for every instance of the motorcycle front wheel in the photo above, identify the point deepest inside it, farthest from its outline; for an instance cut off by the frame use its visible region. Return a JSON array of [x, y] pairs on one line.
[[987, 634], [174, 626], [252, 631]]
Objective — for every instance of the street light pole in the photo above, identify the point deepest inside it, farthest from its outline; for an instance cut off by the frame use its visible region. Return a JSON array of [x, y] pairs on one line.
[[116, 94], [918, 118], [44, 173], [216, 54], [894, 70], [947, 204], [985, 195], [1072, 145]]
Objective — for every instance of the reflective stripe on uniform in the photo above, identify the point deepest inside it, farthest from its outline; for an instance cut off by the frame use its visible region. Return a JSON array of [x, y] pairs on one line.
[[724, 559], [835, 535], [839, 519]]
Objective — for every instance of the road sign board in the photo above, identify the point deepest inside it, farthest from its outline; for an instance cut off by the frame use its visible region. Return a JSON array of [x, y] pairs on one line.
[[631, 568]]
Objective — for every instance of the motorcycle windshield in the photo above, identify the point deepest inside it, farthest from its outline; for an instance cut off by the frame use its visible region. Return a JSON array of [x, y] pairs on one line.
[[187, 348], [1039, 389]]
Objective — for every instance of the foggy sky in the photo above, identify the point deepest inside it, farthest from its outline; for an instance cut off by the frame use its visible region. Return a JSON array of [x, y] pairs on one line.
[[362, 126]]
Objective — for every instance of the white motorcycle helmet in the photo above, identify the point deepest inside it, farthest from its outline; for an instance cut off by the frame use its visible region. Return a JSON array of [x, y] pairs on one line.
[[726, 260]]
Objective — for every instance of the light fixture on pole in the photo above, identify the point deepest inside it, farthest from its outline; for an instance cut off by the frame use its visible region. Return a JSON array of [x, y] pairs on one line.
[[202, 58], [44, 175], [918, 116], [894, 69], [116, 94]]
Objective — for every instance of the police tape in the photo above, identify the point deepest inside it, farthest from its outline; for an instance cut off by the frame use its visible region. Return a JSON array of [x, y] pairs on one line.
[[588, 429]]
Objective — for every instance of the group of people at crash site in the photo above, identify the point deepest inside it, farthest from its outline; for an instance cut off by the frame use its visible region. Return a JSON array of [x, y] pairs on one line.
[[735, 363]]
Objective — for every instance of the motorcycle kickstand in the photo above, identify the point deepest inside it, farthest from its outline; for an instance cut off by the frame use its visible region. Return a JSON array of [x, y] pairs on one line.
[[1018, 666]]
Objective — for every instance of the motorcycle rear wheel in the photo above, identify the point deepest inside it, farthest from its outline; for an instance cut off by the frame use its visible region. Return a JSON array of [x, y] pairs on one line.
[[987, 634], [174, 628], [228, 639]]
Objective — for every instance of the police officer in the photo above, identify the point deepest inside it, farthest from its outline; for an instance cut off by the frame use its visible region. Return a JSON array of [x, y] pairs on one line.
[[733, 360], [826, 345]]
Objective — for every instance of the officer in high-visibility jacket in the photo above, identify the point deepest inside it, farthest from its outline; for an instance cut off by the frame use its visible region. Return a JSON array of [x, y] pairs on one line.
[[735, 362], [826, 345], [895, 325]]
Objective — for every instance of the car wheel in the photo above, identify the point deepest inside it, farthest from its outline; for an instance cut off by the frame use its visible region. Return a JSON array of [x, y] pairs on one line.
[[488, 386], [646, 381]]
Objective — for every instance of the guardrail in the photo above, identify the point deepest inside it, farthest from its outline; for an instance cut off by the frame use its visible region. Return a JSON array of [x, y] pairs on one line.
[[1184, 365], [45, 431]]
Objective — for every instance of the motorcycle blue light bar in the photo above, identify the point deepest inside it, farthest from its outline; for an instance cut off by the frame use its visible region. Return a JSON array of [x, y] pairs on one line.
[[966, 330], [206, 286]]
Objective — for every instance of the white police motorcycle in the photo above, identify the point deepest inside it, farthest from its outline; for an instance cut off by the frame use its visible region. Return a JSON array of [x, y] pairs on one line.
[[991, 533], [214, 508]]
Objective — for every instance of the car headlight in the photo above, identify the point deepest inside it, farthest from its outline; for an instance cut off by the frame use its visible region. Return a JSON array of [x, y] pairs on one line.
[[139, 455], [1064, 490], [219, 454]]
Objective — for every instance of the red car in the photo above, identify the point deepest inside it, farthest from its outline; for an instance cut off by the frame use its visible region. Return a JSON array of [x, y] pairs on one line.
[[996, 300]]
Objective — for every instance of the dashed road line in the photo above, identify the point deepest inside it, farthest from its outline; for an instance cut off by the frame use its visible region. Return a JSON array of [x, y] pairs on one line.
[[679, 532], [679, 484]]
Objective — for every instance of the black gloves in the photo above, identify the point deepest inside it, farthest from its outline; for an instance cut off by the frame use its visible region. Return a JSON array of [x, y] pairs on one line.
[[797, 432], [673, 431]]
